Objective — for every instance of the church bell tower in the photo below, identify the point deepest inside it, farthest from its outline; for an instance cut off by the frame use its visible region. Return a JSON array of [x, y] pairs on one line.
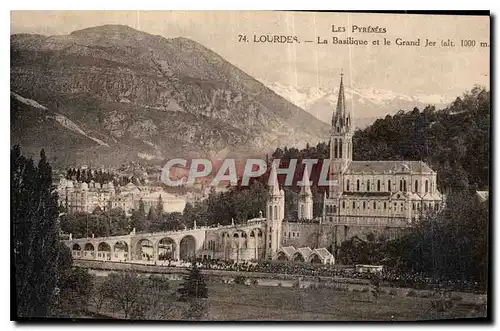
[[275, 207], [305, 198], [340, 141]]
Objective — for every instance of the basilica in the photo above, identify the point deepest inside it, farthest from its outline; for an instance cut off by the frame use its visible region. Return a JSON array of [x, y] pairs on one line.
[[376, 198]]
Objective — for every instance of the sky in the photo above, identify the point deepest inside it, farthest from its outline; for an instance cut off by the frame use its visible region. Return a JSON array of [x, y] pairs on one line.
[[446, 71]]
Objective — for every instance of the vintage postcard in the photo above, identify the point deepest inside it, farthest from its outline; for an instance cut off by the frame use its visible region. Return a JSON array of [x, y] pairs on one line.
[[249, 165]]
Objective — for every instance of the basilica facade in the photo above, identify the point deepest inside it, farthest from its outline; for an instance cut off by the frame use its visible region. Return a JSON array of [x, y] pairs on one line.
[[377, 197]]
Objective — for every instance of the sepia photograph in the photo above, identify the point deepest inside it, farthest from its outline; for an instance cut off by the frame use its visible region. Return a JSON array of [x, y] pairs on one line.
[[221, 166]]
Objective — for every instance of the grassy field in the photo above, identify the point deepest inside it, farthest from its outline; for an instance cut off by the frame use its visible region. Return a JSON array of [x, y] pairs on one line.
[[240, 302], [234, 302]]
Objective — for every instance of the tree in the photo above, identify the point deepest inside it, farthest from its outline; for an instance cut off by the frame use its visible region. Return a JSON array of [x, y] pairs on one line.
[[124, 291], [156, 300], [35, 230], [194, 291], [138, 217], [100, 293], [75, 286], [194, 285], [159, 208]]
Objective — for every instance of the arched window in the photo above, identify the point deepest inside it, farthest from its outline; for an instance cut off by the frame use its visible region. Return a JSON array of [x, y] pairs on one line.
[[385, 205], [353, 204], [368, 185], [416, 185], [404, 185], [340, 148], [426, 186], [270, 212], [374, 205], [364, 205], [378, 185], [357, 185], [335, 148], [347, 185], [401, 185], [389, 187], [334, 209], [343, 204], [275, 212]]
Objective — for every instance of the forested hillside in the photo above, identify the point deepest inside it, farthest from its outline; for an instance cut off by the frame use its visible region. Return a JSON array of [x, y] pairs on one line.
[[454, 141]]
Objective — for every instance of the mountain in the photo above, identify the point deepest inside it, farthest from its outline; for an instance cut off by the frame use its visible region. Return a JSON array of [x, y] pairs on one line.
[[111, 94], [367, 104]]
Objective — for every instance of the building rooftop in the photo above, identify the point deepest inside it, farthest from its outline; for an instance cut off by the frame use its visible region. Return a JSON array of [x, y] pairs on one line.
[[323, 252], [388, 166]]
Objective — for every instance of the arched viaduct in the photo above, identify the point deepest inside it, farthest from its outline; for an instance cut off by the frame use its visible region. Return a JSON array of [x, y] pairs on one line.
[[234, 242]]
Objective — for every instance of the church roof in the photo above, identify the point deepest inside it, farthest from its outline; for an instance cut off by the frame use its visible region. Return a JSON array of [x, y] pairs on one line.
[[289, 251], [323, 252], [366, 194], [305, 251], [388, 166]]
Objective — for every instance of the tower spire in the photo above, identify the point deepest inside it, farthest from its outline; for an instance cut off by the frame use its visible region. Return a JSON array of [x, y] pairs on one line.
[[341, 98], [306, 188], [274, 188], [341, 118]]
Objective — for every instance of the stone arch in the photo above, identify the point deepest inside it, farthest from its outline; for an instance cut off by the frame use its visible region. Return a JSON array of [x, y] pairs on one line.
[[103, 247], [76, 247], [120, 246], [89, 247], [298, 257], [226, 245], [187, 248], [244, 239], [235, 240], [144, 249], [104, 250], [252, 239], [281, 256], [315, 259], [89, 250], [258, 232], [167, 248]]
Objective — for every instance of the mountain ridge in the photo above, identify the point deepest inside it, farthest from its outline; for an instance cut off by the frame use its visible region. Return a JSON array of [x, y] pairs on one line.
[[369, 103], [127, 87]]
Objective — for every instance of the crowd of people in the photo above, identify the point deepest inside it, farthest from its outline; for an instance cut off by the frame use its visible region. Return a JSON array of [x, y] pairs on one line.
[[388, 277], [278, 269]]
